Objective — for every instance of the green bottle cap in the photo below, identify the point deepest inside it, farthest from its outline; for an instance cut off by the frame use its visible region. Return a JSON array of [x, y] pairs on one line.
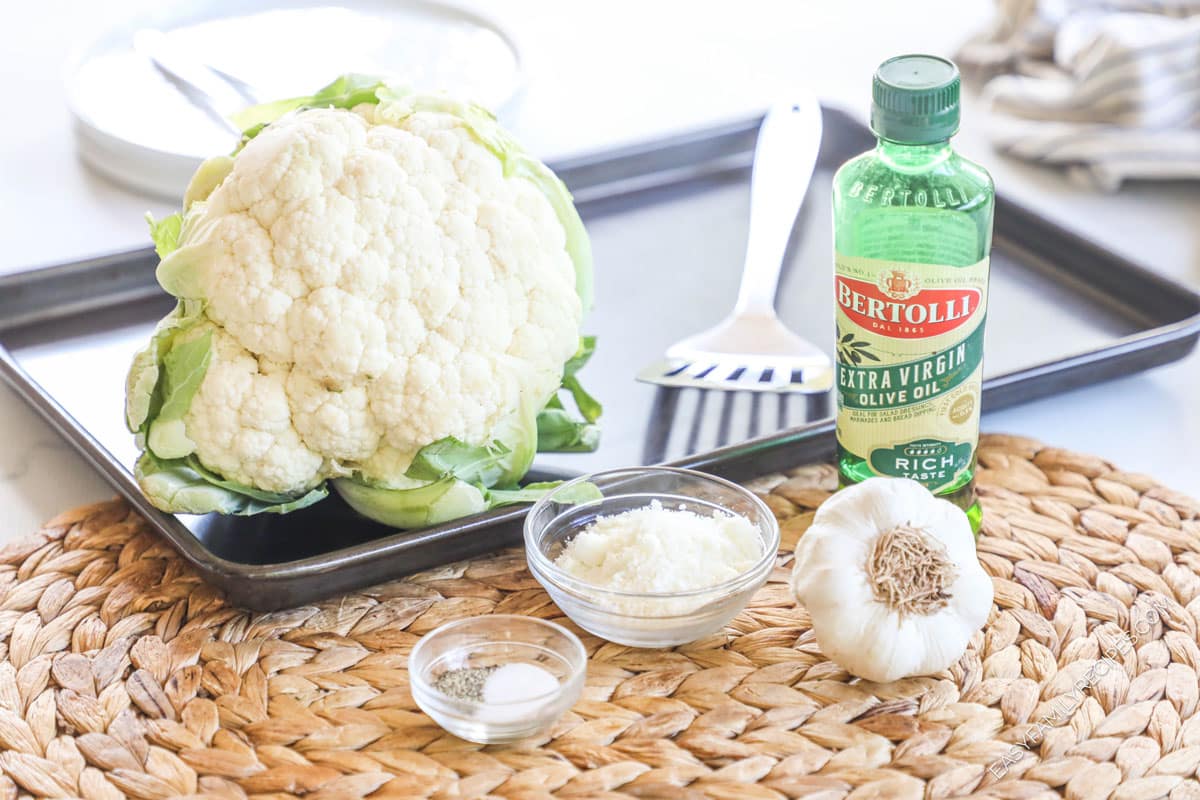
[[915, 99]]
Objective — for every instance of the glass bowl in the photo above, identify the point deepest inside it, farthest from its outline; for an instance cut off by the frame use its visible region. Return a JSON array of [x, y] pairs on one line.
[[493, 641], [645, 619]]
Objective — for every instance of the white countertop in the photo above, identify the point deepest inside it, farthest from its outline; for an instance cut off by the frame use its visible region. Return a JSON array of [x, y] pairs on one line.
[[604, 73]]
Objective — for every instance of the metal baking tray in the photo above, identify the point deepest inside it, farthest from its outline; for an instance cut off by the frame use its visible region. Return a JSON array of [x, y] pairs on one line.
[[668, 225]]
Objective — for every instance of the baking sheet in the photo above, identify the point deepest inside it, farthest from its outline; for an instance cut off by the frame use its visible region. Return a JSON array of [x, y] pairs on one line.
[[668, 227]]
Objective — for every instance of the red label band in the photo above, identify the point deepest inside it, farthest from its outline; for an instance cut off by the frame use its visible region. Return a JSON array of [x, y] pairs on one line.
[[899, 308]]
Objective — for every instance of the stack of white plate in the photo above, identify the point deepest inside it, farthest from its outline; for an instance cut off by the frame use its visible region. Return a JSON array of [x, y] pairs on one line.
[[134, 126]]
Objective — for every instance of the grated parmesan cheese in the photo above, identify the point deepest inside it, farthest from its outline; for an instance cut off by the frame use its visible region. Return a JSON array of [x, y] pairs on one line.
[[656, 549]]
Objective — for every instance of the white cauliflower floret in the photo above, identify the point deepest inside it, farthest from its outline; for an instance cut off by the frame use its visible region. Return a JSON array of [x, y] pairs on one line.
[[371, 288], [337, 424], [241, 421]]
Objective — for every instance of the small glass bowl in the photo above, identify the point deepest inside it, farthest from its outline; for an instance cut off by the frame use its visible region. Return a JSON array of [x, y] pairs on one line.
[[634, 618], [495, 640]]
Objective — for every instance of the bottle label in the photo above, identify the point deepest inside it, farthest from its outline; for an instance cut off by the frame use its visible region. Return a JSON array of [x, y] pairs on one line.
[[910, 365]]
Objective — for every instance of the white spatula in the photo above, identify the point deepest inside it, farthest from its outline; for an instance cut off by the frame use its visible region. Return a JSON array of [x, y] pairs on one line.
[[751, 350]]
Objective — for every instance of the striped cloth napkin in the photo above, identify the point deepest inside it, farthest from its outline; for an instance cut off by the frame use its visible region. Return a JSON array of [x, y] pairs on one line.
[[1108, 88]]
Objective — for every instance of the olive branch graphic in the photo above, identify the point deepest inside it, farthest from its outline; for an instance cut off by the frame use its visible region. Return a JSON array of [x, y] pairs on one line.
[[851, 350]]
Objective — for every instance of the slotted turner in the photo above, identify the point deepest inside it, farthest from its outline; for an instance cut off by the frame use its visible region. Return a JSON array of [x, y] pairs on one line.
[[751, 350]]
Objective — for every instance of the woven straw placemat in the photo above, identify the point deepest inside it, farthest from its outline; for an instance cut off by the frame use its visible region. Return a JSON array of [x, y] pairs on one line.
[[122, 672]]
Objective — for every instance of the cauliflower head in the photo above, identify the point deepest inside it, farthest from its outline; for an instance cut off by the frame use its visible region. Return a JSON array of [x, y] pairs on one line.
[[379, 287]]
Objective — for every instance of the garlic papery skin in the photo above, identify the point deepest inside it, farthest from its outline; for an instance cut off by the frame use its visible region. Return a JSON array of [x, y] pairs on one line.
[[889, 575]]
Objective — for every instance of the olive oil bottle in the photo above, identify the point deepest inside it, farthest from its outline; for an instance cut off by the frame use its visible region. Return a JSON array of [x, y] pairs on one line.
[[912, 233]]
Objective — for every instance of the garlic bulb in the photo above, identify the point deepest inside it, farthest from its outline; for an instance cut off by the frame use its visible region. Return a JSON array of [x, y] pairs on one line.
[[888, 573]]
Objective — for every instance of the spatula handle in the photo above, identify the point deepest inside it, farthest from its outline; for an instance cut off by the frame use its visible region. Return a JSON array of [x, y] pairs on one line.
[[788, 141]]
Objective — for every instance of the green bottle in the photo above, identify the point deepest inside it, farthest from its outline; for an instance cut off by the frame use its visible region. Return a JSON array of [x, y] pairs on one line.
[[912, 231]]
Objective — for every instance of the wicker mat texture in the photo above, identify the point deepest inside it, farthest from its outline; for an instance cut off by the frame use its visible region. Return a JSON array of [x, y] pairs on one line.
[[121, 673]]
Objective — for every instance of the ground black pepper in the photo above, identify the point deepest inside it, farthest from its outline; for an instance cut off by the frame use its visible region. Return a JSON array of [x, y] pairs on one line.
[[465, 683]]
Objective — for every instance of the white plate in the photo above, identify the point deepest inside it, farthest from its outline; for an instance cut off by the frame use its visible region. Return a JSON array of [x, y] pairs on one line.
[[133, 126]]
